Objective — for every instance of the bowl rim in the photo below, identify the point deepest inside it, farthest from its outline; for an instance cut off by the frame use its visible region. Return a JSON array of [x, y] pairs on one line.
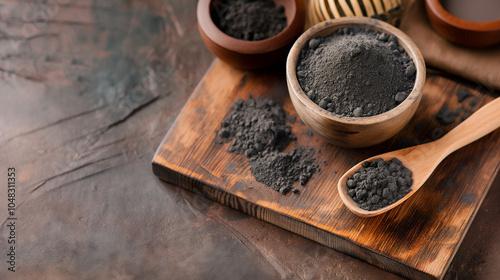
[[405, 41], [443, 15], [276, 42]]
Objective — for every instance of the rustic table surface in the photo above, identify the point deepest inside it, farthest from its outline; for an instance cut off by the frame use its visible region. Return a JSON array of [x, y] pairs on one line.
[[88, 89]]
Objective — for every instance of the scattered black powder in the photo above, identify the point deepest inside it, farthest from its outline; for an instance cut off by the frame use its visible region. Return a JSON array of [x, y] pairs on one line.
[[249, 20], [404, 143], [437, 133], [309, 133], [379, 183], [449, 183], [419, 127], [257, 128], [445, 116], [473, 102], [467, 198], [356, 72], [281, 170], [463, 94]]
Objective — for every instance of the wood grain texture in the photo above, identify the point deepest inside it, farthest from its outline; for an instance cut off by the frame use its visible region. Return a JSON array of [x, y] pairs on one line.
[[418, 239]]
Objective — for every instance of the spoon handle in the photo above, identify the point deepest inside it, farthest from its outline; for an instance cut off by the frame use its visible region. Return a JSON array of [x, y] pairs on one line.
[[479, 124]]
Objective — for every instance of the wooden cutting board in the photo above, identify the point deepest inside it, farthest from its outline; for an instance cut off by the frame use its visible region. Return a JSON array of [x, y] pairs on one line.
[[417, 239]]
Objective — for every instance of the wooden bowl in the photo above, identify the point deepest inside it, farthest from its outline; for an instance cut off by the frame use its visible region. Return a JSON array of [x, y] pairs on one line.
[[251, 54], [354, 132], [459, 31]]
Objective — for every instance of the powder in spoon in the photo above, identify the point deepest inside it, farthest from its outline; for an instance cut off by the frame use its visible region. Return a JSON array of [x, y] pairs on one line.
[[249, 20], [356, 72], [379, 183]]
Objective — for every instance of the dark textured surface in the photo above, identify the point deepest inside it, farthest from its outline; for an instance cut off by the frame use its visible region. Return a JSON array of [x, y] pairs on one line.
[[89, 206]]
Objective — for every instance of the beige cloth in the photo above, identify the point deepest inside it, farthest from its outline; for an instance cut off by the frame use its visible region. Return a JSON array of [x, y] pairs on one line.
[[478, 65]]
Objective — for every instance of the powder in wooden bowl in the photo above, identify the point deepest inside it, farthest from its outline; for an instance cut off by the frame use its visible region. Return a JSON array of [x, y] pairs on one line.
[[249, 20], [356, 72]]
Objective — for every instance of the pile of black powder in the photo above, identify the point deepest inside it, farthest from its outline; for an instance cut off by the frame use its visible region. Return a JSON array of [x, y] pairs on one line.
[[281, 170], [379, 183], [446, 116], [249, 20], [356, 72], [257, 128]]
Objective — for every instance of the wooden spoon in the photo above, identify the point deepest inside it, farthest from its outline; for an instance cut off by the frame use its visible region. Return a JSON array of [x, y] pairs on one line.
[[423, 159]]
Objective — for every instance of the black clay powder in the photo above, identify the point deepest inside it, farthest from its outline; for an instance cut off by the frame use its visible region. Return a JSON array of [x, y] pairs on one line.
[[379, 183], [257, 128], [249, 20], [356, 72]]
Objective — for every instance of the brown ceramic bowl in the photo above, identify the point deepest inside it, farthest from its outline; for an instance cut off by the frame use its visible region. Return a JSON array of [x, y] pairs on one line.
[[459, 31], [251, 54], [354, 132]]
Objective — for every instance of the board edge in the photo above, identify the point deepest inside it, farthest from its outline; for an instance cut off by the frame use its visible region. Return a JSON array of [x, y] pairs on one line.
[[288, 223]]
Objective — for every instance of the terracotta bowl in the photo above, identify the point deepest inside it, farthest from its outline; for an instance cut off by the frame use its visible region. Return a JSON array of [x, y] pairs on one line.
[[459, 31], [354, 132], [251, 54]]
